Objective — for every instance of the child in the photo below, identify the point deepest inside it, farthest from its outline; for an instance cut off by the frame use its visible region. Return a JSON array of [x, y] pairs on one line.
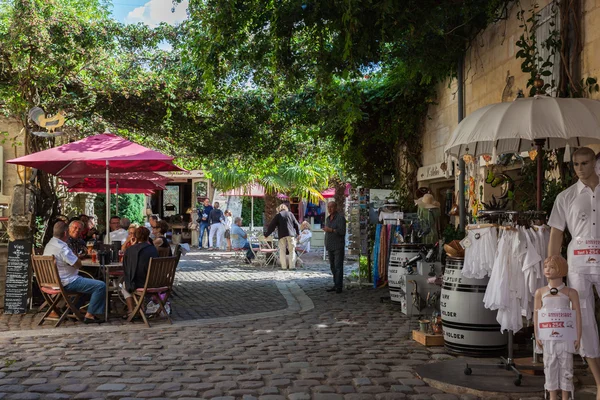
[[558, 354]]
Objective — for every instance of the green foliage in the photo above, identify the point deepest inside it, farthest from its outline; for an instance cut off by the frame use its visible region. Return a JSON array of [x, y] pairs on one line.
[[452, 233], [259, 208], [533, 63], [132, 206]]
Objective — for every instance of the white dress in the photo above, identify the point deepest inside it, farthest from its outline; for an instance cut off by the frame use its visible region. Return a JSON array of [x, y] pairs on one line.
[[558, 355], [480, 255]]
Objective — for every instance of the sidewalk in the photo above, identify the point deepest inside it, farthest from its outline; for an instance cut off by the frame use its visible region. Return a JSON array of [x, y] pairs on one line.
[[276, 335]]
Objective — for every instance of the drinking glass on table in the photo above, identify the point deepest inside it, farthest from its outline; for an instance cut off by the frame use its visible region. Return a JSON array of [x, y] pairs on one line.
[[90, 247], [121, 253], [94, 253]]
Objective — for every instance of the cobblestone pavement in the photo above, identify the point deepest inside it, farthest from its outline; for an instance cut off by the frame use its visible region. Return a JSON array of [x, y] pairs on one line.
[[307, 343]]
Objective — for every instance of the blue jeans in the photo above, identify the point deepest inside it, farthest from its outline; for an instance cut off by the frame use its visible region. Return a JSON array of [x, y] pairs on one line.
[[97, 290], [203, 227], [336, 263], [249, 253]]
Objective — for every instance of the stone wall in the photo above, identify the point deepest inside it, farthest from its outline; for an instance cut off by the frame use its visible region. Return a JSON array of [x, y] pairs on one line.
[[492, 74]]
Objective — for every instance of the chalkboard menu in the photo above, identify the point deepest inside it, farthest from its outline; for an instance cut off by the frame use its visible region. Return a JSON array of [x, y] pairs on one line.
[[17, 277]]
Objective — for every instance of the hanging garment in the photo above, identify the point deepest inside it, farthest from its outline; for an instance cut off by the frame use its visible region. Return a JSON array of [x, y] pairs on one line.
[[480, 255], [531, 273], [376, 256]]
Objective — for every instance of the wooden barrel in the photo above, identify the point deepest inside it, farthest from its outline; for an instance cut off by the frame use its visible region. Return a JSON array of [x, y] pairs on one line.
[[400, 253], [469, 328]]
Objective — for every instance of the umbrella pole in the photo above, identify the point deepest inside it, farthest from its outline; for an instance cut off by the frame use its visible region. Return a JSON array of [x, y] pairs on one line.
[[539, 143], [107, 202], [251, 213], [117, 199]]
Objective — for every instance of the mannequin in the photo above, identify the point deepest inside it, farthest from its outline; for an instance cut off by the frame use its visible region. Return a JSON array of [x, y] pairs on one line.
[[578, 209], [429, 211], [558, 354]]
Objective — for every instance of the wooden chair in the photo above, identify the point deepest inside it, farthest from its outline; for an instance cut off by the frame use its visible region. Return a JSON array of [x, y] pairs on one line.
[[164, 251], [159, 281], [48, 280], [177, 252]]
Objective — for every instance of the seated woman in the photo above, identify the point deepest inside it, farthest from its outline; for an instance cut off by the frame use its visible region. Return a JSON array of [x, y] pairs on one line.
[[135, 265], [159, 230], [130, 241], [304, 238]]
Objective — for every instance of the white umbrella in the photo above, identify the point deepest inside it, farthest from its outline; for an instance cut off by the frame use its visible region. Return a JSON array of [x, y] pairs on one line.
[[512, 127]]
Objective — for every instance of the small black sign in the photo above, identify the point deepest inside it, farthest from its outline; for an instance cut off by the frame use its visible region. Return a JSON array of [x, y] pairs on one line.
[[17, 277]]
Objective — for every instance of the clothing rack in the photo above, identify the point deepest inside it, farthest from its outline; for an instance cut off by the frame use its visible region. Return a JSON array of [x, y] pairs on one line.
[[506, 220]]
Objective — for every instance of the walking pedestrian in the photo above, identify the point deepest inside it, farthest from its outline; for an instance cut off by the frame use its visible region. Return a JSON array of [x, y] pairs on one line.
[[217, 228], [335, 241], [287, 228]]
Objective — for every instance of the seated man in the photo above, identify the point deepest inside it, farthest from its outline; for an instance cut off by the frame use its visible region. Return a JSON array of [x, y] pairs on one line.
[[68, 265], [75, 242], [242, 239], [121, 233]]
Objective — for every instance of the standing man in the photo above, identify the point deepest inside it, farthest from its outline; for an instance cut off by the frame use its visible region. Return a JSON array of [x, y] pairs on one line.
[[335, 241], [287, 229], [577, 208], [204, 212], [216, 219], [68, 269]]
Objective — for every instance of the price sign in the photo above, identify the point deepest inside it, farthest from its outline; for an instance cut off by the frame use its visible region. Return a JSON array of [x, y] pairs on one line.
[[556, 325]]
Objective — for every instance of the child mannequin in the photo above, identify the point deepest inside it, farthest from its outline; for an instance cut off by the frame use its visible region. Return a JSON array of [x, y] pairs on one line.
[[558, 355]]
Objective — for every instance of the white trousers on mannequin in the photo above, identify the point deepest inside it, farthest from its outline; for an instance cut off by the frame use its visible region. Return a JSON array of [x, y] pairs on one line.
[[289, 243], [558, 369], [590, 345], [217, 230]]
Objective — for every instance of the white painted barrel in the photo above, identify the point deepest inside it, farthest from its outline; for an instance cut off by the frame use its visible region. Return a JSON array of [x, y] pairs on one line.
[[399, 254], [469, 328]]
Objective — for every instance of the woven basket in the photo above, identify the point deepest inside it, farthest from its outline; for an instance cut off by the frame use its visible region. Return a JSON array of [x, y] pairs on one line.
[[454, 249]]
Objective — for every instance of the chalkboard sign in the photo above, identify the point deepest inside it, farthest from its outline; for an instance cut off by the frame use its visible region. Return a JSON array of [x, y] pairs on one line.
[[17, 277]]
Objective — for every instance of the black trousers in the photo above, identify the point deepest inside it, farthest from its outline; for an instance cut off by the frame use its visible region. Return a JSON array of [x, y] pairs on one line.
[[336, 262]]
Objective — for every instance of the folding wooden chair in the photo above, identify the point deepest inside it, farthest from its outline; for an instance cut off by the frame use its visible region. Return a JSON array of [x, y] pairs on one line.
[[159, 284], [265, 248], [48, 280], [164, 252]]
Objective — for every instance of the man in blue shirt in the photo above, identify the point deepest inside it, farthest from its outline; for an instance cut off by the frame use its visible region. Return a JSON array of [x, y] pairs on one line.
[[204, 212], [241, 240]]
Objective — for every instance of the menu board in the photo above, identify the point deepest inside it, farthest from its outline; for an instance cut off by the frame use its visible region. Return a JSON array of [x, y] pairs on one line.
[[17, 277]]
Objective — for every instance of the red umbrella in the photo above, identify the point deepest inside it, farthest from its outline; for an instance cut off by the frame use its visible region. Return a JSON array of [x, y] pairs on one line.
[[104, 153], [329, 193], [94, 154]]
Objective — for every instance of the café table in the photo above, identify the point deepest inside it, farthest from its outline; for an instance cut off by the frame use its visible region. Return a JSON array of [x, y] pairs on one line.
[[106, 271]]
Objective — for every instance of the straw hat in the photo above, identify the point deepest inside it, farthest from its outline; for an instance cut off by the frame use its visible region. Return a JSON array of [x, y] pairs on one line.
[[427, 201]]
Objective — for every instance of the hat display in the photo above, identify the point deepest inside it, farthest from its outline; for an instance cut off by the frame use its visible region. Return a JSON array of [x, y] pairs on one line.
[[427, 201]]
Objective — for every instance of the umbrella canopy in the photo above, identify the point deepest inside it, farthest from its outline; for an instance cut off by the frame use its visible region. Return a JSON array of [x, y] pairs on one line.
[[97, 185], [329, 193], [90, 156], [113, 190], [104, 153], [513, 127]]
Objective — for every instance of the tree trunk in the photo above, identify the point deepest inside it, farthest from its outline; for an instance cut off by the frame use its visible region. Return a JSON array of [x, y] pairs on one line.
[[271, 203], [340, 194]]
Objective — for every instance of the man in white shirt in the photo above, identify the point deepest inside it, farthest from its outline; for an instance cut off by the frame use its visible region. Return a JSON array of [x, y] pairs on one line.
[[121, 233], [578, 209], [68, 269]]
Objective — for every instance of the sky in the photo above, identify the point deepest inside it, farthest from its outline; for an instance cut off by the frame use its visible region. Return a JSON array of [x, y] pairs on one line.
[[150, 12]]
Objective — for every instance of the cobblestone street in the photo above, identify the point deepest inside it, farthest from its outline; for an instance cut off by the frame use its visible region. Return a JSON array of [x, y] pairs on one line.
[[239, 332]]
